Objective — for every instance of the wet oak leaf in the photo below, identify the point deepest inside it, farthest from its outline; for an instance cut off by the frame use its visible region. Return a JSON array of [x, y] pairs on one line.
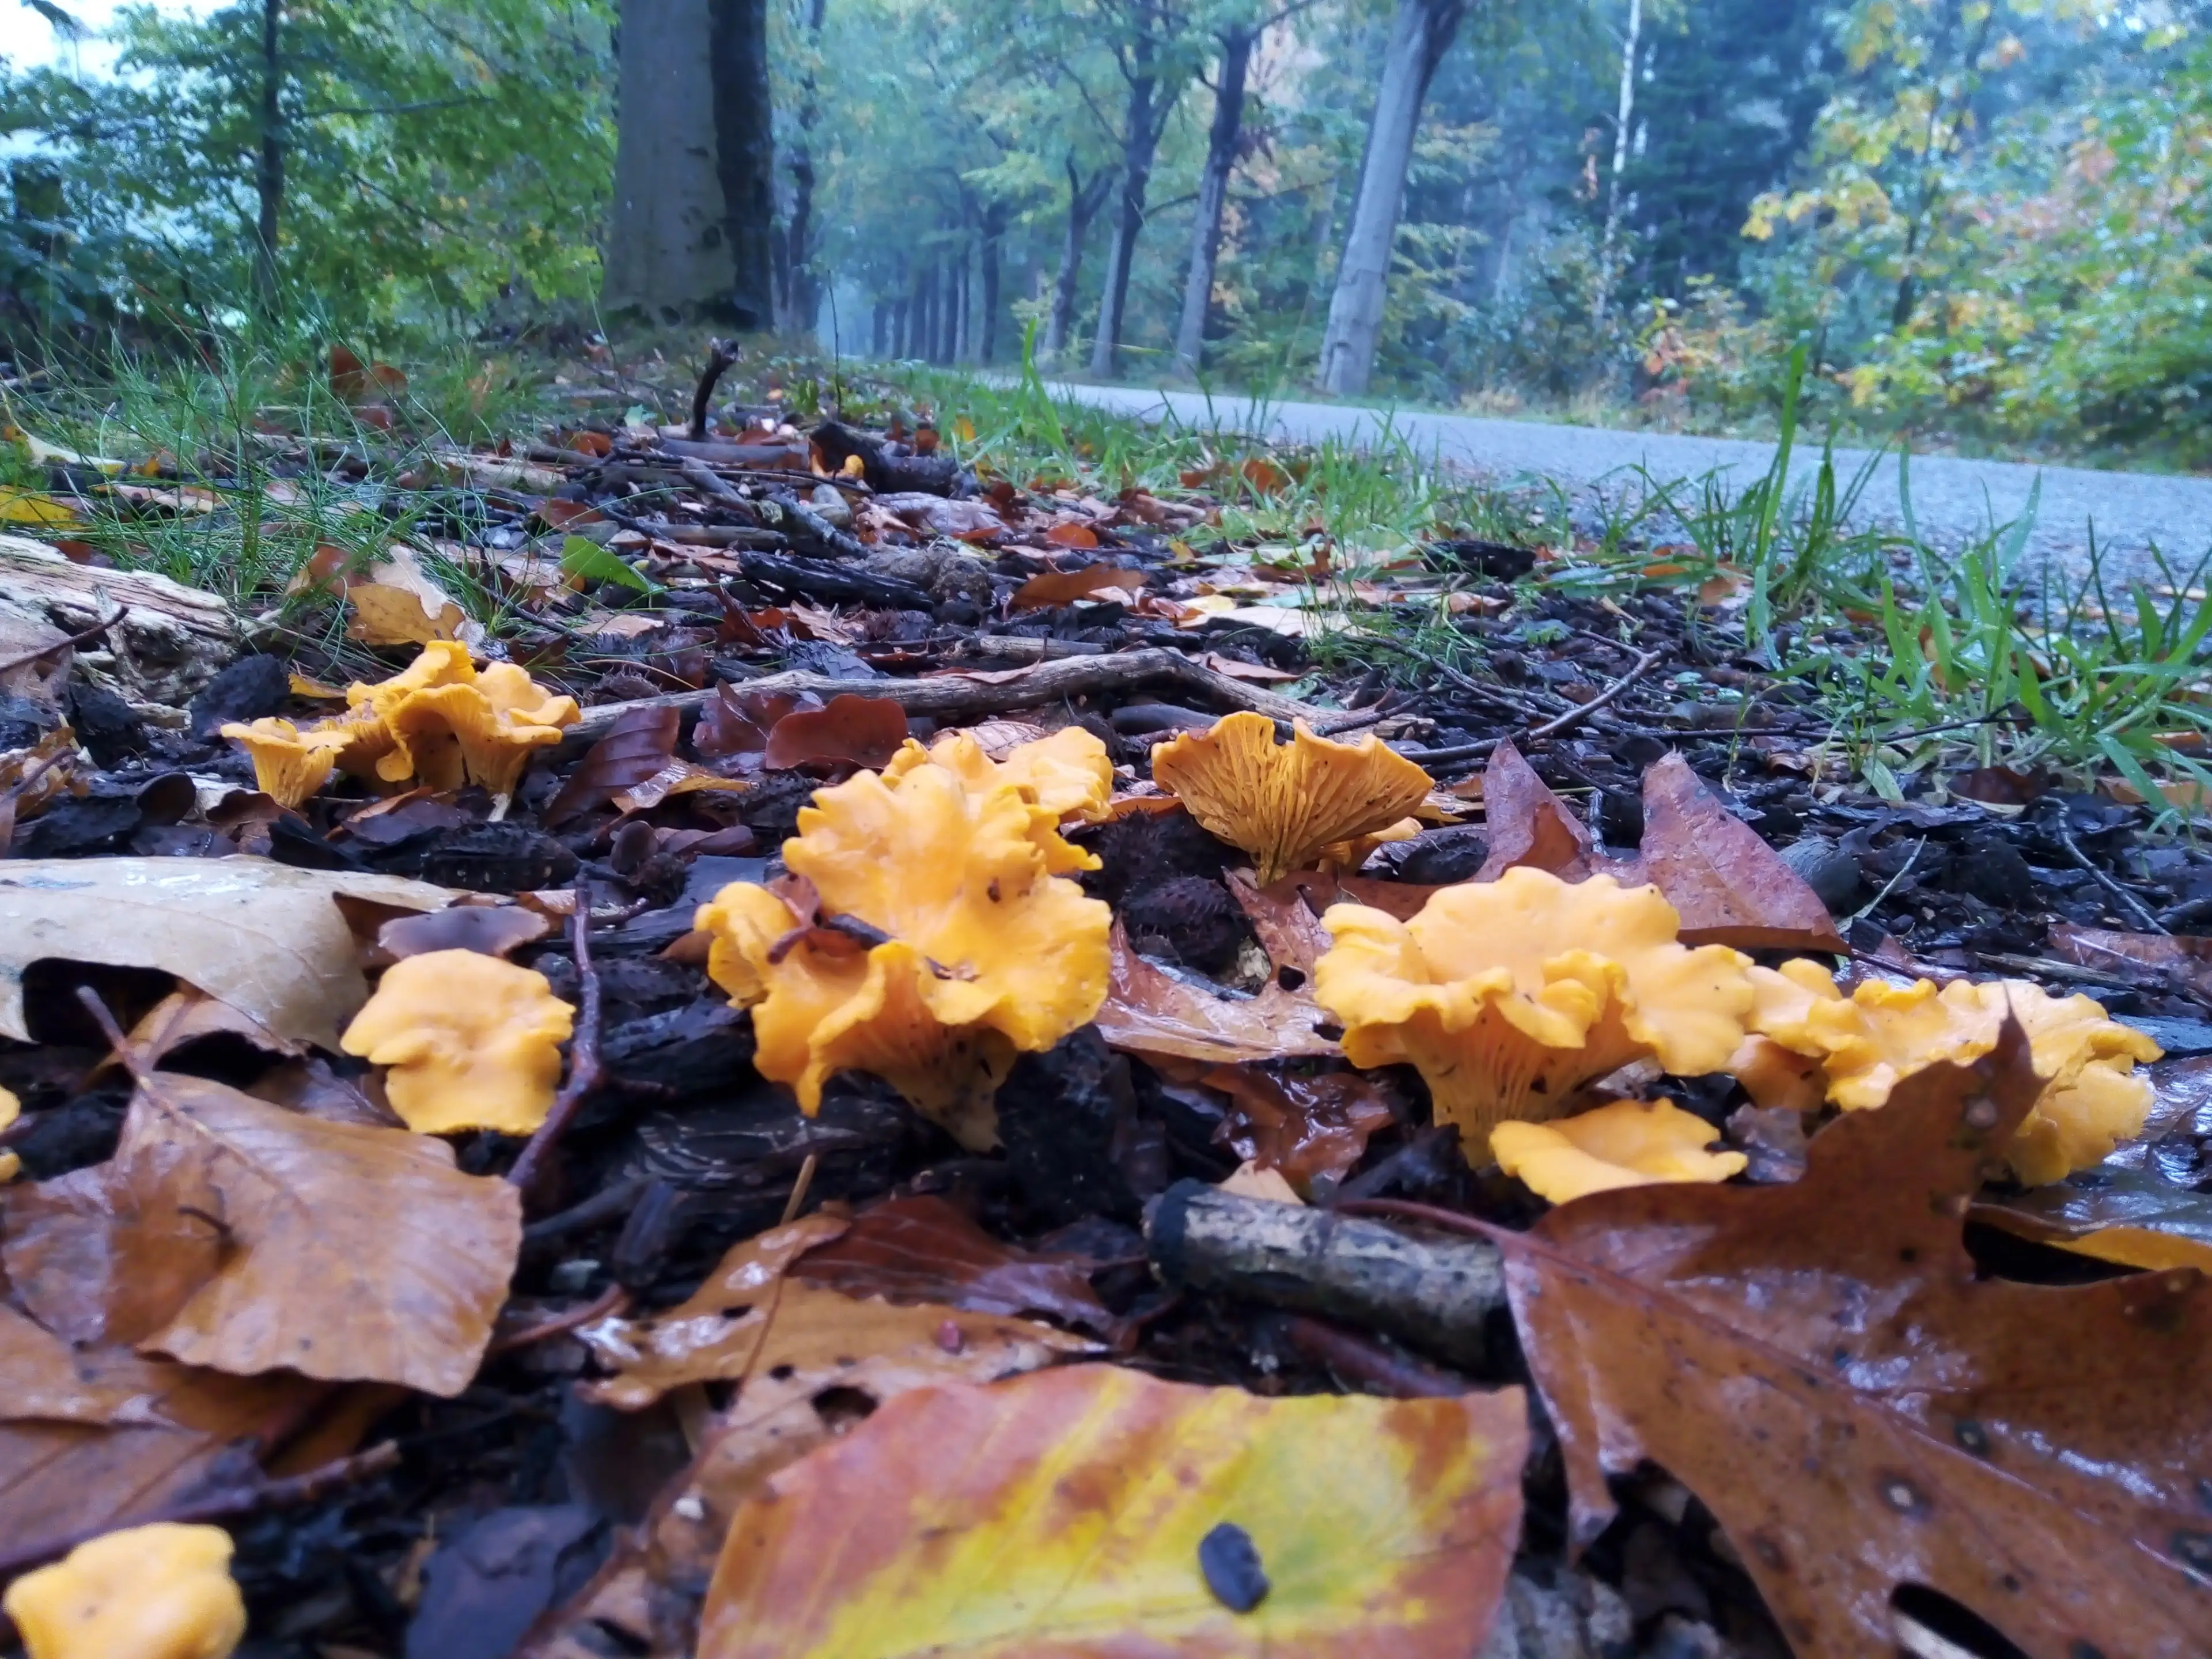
[[1148, 1011], [1061, 1514], [1822, 1365], [231, 1233]]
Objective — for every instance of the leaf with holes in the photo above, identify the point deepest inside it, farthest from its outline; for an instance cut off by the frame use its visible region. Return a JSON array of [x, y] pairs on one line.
[[1825, 1366], [1095, 1511]]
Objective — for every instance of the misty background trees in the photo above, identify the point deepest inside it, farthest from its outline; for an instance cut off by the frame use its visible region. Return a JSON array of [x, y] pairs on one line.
[[1985, 218]]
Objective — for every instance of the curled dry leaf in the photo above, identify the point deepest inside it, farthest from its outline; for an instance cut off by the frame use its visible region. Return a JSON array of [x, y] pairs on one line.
[[231, 1233], [1823, 1366], [397, 602], [922, 1250], [637, 747], [851, 729], [1064, 1514], [264, 937]]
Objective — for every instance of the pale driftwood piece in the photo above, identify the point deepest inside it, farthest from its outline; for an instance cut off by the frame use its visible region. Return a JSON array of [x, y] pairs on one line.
[[168, 642], [1433, 1293], [961, 696]]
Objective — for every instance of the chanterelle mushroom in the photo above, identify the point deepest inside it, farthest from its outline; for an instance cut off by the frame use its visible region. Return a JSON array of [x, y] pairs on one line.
[[473, 1042], [957, 944], [290, 763], [1870, 1041], [1509, 995], [1283, 803], [1627, 1143], [162, 1591], [1069, 771]]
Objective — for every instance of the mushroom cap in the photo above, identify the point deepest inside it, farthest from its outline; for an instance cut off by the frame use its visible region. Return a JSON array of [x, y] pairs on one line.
[[1507, 995], [1068, 772], [988, 953], [1883, 1033], [446, 734], [1283, 803], [1629, 1142], [472, 1042], [291, 763], [162, 1591], [441, 662], [1349, 855]]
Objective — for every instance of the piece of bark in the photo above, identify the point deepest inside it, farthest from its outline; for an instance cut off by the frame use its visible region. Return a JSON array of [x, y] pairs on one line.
[[169, 641], [955, 696], [1434, 1294]]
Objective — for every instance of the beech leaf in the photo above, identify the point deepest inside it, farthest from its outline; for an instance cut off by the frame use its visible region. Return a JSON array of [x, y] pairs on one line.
[[864, 731], [1825, 1367], [638, 746], [264, 937], [231, 1233], [1067, 1513]]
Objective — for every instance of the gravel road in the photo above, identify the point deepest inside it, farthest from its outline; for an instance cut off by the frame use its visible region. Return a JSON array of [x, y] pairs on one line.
[[1952, 500]]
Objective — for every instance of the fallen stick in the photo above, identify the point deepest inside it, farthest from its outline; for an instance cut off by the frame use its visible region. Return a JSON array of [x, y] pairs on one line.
[[958, 695], [1582, 712], [1434, 1294]]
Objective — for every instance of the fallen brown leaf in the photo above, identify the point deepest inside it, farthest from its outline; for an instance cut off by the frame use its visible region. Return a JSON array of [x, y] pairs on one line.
[[922, 1250], [1527, 824], [397, 602], [1822, 1363], [2186, 960], [492, 930], [1304, 1126], [264, 937], [1731, 887], [1148, 1011], [860, 731], [230, 1233], [637, 746], [1065, 586]]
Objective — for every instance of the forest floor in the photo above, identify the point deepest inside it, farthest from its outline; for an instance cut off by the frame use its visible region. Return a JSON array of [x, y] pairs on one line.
[[1126, 1285], [1949, 500]]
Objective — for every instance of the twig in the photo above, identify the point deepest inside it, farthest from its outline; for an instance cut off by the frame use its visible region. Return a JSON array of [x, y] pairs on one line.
[[721, 353], [1581, 712], [610, 1303], [1356, 1359], [583, 1069], [2127, 901], [1458, 751], [799, 1191], [953, 695], [25, 659], [263, 1494]]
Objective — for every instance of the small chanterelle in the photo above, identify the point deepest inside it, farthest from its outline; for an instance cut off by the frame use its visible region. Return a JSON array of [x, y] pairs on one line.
[[162, 1591]]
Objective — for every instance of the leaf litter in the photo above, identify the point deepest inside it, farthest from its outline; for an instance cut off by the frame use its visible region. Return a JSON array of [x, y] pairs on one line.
[[754, 1362]]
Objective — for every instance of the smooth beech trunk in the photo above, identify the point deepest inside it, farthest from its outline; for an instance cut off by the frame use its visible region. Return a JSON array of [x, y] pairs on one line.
[[692, 232], [1213, 196], [1419, 36]]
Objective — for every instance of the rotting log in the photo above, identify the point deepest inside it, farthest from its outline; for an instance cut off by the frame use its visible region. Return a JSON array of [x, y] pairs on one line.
[[1430, 1293], [960, 695]]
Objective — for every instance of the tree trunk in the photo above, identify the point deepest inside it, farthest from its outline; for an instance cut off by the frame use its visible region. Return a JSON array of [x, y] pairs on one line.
[[994, 231], [269, 171], [1623, 112], [925, 310], [1419, 36], [878, 331], [692, 232], [960, 322], [1084, 198], [1213, 196], [806, 287], [902, 346], [1141, 138]]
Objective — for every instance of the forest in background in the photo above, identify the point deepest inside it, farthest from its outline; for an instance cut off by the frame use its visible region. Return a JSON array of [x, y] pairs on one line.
[[1983, 221]]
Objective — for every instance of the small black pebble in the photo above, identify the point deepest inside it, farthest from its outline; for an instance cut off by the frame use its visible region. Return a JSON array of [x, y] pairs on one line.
[[1230, 1561]]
